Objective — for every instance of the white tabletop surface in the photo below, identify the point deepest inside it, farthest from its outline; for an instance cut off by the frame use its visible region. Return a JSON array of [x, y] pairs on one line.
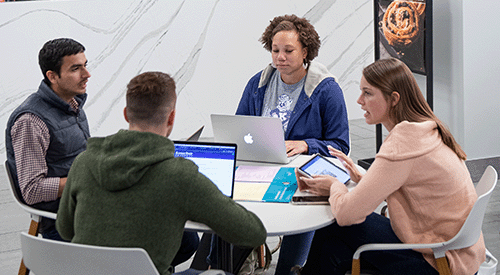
[[284, 218]]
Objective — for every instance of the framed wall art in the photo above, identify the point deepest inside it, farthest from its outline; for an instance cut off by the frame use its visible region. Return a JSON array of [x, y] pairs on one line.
[[403, 29]]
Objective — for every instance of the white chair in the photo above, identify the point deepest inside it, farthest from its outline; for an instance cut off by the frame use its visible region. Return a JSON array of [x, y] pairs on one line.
[[44, 256], [467, 236], [489, 266], [35, 214], [49, 257]]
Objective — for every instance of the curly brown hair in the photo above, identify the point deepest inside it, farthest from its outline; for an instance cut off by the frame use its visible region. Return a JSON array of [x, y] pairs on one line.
[[308, 36]]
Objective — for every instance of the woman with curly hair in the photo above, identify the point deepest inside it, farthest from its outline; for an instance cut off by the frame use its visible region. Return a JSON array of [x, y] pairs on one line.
[[310, 104], [307, 99], [302, 93]]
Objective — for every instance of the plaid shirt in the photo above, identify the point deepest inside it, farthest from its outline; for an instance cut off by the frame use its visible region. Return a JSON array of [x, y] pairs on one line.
[[31, 140]]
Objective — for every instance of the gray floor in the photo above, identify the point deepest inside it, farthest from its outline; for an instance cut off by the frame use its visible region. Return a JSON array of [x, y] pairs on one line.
[[14, 220]]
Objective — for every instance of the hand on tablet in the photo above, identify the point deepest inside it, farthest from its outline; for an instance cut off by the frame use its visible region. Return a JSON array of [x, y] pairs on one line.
[[300, 183], [347, 162], [319, 185]]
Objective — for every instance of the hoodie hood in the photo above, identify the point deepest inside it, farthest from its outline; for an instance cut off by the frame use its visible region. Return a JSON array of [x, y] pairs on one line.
[[410, 140], [123, 158], [316, 73]]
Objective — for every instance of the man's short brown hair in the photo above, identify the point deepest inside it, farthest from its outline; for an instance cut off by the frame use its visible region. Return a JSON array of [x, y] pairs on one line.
[[150, 98]]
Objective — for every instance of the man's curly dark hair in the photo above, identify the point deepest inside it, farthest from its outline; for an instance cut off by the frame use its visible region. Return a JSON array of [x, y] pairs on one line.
[[308, 36]]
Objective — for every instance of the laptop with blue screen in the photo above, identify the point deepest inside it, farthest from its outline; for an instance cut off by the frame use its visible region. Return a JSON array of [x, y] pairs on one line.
[[217, 161]]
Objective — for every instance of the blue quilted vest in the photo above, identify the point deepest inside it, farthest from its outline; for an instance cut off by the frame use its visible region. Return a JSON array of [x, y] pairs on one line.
[[69, 131]]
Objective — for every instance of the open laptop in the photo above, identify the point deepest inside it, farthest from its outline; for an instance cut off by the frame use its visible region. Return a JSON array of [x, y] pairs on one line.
[[196, 135], [258, 138], [217, 161]]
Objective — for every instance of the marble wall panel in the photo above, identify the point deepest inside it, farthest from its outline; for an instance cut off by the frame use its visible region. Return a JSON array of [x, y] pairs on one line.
[[210, 47]]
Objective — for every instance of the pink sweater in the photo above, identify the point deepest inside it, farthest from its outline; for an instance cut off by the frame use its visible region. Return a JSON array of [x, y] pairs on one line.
[[428, 189]]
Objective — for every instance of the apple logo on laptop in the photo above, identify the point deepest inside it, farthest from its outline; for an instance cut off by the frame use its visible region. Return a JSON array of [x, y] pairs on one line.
[[248, 138]]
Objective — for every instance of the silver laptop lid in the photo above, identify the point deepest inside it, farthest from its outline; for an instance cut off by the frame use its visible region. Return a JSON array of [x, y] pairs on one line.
[[258, 138], [196, 135]]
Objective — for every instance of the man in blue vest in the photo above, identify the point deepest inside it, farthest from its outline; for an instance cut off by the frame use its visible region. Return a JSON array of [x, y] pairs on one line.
[[49, 129]]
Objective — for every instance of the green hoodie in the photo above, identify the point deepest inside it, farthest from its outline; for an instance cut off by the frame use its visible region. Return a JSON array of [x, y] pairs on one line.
[[128, 190]]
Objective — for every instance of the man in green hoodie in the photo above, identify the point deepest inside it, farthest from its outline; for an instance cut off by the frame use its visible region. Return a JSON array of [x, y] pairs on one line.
[[128, 190]]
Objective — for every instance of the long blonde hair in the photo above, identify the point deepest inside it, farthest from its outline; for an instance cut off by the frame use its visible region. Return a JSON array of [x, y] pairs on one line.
[[391, 75]]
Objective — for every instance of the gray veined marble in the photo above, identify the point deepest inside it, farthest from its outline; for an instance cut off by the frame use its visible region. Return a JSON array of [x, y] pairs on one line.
[[210, 47]]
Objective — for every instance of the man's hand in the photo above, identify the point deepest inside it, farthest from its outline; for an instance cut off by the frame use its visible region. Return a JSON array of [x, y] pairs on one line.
[[62, 184]]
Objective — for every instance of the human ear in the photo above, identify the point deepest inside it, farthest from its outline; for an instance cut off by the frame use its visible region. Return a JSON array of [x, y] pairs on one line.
[[395, 96], [51, 75], [170, 122], [171, 118], [125, 114]]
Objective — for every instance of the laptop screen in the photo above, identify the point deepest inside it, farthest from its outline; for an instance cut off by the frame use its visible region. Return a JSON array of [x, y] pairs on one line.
[[217, 161]]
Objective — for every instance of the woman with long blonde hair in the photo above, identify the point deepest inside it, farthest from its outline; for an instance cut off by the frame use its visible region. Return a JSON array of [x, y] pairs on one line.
[[420, 172]]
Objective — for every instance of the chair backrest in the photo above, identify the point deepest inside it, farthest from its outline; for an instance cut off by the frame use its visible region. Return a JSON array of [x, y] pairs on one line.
[[43, 256], [15, 192], [20, 201], [471, 229]]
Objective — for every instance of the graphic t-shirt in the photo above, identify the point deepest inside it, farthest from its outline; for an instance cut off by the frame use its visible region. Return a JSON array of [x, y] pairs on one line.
[[280, 98]]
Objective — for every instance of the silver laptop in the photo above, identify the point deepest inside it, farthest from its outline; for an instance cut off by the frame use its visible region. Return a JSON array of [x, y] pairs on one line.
[[196, 135], [258, 138]]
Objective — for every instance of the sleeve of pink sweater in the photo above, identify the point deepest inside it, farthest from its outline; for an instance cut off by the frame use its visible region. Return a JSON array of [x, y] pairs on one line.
[[382, 179]]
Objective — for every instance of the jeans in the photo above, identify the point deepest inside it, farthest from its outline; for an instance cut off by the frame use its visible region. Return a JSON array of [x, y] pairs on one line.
[[189, 245], [207, 254], [52, 234], [293, 251], [332, 249]]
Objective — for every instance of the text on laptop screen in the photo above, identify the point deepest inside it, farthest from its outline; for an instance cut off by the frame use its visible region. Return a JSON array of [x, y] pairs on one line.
[[217, 162]]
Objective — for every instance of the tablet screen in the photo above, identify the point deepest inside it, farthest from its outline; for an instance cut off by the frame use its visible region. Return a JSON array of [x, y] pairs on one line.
[[319, 165]]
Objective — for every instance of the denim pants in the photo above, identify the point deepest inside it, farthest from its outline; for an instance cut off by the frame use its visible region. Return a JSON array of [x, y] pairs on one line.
[[293, 251], [332, 249], [189, 245], [52, 234]]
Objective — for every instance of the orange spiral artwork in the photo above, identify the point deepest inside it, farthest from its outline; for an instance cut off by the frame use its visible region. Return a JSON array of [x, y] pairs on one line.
[[402, 22]]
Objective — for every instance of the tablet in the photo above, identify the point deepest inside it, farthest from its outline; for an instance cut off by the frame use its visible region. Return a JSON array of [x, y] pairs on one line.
[[320, 165]]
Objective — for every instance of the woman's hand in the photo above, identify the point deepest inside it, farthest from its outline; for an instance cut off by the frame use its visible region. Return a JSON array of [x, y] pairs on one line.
[[347, 162], [294, 147], [319, 184]]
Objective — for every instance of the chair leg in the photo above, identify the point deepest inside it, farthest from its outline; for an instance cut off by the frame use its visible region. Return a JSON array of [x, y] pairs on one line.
[[34, 227], [33, 230], [356, 267], [22, 269], [443, 267], [261, 256]]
